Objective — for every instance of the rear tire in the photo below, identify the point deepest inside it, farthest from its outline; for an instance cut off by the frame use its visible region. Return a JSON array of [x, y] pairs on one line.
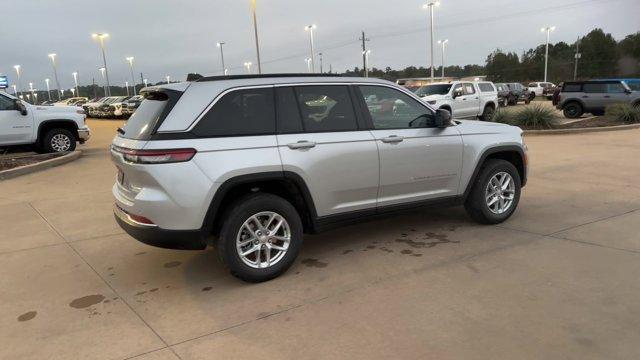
[[487, 113], [572, 110], [58, 140], [484, 202], [248, 218]]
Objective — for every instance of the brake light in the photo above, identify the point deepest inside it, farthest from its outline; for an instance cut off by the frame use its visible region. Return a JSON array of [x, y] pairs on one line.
[[154, 156]]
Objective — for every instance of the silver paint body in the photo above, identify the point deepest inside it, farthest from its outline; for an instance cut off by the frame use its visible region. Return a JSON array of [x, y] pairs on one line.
[[344, 171]]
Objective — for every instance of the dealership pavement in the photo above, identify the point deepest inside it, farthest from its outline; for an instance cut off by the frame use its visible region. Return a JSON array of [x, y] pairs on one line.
[[558, 280]]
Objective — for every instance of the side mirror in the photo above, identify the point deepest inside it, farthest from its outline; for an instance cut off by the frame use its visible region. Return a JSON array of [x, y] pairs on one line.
[[443, 118], [457, 92], [627, 91], [21, 108]]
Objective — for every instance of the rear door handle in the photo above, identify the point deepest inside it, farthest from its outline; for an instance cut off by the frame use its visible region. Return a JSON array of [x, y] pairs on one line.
[[607, 96], [302, 144], [392, 139], [584, 97]]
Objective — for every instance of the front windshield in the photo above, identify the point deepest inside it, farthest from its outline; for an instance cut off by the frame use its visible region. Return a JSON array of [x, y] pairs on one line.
[[435, 89]]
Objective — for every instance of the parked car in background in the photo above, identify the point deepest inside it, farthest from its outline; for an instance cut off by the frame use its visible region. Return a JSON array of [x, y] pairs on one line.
[[48, 128], [541, 89], [115, 108], [70, 101], [105, 110], [92, 107], [503, 93], [517, 93], [578, 97], [130, 105], [463, 99], [250, 164]]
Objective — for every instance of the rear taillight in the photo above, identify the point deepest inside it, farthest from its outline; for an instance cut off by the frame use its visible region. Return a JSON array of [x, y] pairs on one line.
[[154, 156]]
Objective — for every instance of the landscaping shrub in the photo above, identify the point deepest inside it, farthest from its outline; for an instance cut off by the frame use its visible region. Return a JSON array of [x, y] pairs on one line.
[[535, 117], [501, 116], [624, 113]]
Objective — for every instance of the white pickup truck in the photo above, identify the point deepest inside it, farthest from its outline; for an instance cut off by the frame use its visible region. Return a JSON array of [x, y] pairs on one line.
[[464, 99], [49, 128]]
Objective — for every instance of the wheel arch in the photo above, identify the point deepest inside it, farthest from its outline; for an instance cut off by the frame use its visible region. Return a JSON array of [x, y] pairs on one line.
[[511, 153], [47, 125], [285, 184]]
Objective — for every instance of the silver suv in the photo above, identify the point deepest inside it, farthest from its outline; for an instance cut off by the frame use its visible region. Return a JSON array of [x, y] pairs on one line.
[[250, 163]]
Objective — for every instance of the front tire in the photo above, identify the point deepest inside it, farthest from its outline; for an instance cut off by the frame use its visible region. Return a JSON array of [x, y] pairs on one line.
[[495, 193], [260, 238], [487, 113], [59, 140], [572, 110]]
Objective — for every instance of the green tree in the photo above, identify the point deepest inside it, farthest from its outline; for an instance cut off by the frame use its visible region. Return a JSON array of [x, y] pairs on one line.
[[599, 55]]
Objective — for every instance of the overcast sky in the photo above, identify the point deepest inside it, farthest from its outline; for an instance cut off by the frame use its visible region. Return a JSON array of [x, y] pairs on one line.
[[177, 37]]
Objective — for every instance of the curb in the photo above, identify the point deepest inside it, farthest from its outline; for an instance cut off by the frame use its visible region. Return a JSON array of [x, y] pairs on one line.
[[28, 169], [581, 130]]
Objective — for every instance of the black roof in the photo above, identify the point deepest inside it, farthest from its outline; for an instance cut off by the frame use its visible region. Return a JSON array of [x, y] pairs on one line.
[[262, 76]]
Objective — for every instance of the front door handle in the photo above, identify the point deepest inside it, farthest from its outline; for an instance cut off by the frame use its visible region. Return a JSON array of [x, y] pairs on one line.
[[607, 96], [302, 144], [392, 139]]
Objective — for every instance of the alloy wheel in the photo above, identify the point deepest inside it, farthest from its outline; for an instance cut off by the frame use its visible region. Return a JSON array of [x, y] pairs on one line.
[[500, 193], [263, 239], [60, 142]]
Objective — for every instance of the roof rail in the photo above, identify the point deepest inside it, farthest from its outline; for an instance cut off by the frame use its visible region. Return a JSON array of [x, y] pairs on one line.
[[262, 76]]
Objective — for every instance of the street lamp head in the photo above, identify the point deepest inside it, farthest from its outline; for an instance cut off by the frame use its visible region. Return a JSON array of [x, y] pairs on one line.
[[366, 52], [75, 73], [52, 56], [553, 28], [220, 43], [428, 5], [130, 59], [310, 27], [443, 41], [99, 35], [17, 67]]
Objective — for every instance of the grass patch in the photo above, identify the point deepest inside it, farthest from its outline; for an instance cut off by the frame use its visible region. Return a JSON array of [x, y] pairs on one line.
[[624, 113]]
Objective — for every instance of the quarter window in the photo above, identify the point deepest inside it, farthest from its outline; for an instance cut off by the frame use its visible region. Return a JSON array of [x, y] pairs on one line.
[[392, 109], [240, 112], [326, 108], [288, 114]]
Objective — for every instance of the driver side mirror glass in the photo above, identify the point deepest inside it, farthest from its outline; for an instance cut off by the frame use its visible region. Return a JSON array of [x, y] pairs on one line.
[[457, 92]]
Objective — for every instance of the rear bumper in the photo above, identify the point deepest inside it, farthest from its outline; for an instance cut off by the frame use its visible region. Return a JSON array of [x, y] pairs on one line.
[[155, 236]]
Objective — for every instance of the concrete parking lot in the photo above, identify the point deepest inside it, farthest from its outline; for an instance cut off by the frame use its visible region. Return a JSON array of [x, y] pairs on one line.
[[558, 280]]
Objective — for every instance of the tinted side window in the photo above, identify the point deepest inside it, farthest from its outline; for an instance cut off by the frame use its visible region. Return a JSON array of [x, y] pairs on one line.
[[240, 112], [289, 120], [615, 88], [392, 109], [635, 86], [6, 104], [594, 88], [326, 108], [571, 88]]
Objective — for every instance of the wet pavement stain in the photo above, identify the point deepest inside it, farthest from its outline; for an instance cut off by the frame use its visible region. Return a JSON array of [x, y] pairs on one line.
[[154, 290], [347, 251], [86, 301], [385, 249], [314, 263], [207, 288], [141, 293], [406, 252], [141, 253], [172, 264], [416, 255], [412, 243], [371, 247], [27, 316]]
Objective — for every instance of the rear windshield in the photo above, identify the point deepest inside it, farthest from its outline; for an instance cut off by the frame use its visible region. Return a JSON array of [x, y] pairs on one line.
[[152, 110], [438, 89]]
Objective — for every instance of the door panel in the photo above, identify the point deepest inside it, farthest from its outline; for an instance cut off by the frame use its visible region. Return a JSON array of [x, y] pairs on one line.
[[341, 169], [15, 128], [424, 165]]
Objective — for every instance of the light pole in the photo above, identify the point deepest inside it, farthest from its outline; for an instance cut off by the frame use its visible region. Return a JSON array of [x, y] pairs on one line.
[[100, 37], [126, 85], [145, 82], [73, 92], [366, 62], [133, 79], [15, 90], [308, 61], [248, 66], [443, 42], [75, 80], [577, 57], [310, 29], [17, 67], [168, 79], [46, 81], [55, 74], [255, 31], [320, 55], [548, 30], [31, 90], [430, 6], [224, 69], [104, 81]]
